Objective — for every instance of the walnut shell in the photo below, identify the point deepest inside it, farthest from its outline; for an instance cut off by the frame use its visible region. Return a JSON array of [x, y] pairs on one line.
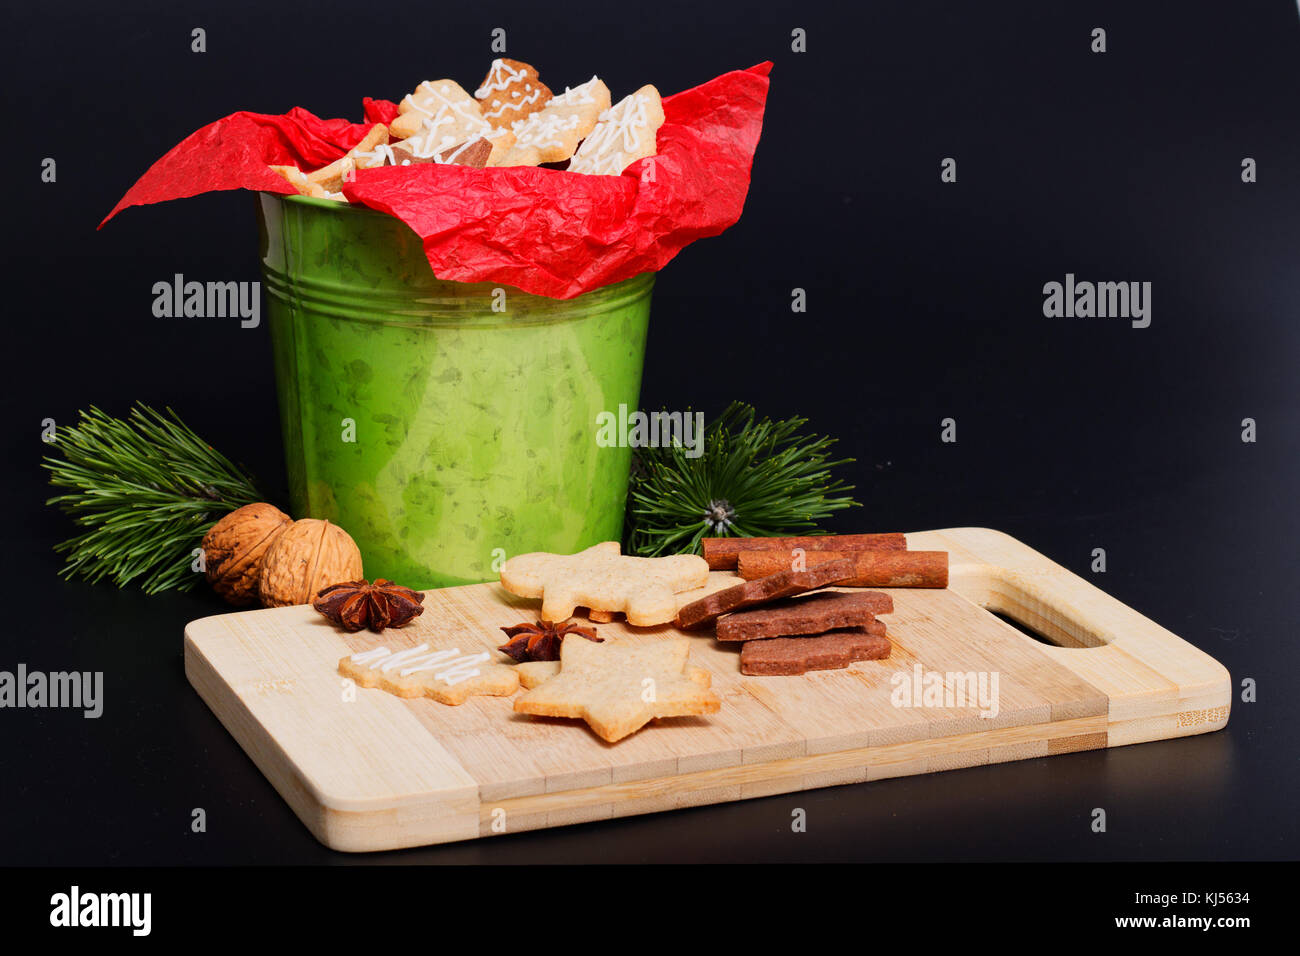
[[309, 555], [234, 547]]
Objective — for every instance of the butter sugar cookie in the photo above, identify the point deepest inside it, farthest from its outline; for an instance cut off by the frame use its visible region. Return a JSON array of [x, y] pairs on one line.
[[624, 134]]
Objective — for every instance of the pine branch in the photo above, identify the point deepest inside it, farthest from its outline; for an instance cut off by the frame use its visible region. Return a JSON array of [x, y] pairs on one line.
[[147, 489], [755, 478]]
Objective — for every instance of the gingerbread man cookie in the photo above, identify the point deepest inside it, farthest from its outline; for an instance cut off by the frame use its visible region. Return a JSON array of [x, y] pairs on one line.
[[603, 579]]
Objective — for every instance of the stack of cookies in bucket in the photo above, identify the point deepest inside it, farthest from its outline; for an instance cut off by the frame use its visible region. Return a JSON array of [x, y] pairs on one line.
[[783, 620], [512, 119]]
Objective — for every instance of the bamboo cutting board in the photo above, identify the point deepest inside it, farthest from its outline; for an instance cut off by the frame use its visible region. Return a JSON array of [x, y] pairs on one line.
[[365, 770]]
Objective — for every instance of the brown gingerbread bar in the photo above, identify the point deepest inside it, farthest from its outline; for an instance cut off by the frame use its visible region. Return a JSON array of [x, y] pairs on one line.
[[810, 614], [871, 627], [871, 569], [789, 656], [875, 627], [721, 553], [752, 593]]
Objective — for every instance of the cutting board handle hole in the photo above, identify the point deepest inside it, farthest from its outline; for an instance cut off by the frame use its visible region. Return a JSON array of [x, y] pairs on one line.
[[1033, 615], [1040, 638]]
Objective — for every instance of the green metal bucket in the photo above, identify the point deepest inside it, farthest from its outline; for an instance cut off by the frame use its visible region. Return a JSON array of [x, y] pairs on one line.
[[444, 425]]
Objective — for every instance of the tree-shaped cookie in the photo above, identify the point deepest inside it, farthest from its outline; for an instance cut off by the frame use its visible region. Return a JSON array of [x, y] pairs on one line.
[[605, 580], [447, 675], [625, 133], [619, 688], [552, 134], [511, 92]]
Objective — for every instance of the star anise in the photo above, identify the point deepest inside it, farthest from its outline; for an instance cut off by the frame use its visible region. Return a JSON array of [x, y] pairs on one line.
[[541, 641], [356, 604]]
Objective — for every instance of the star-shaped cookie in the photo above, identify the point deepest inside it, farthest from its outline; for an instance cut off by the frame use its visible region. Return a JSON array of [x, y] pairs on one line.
[[535, 673], [619, 688], [603, 579], [447, 675]]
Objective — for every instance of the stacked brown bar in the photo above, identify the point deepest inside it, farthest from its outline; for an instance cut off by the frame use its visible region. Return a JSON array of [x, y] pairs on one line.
[[879, 560], [785, 630]]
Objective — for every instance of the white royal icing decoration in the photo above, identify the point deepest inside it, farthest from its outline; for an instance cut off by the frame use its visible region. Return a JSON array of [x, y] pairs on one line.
[[454, 669], [526, 101], [401, 657], [602, 151], [429, 662], [462, 669], [382, 152], [433, 139], [541, 130], [500, 78], [577, 95]]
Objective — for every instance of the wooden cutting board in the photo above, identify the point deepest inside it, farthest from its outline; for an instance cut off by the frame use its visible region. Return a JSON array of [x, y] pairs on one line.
[[365, 770]]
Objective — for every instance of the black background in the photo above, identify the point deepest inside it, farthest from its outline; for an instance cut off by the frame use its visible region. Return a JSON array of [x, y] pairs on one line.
[[924, 302]]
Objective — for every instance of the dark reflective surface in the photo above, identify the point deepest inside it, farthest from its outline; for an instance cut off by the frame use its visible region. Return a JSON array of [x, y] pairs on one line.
[[924, 300]]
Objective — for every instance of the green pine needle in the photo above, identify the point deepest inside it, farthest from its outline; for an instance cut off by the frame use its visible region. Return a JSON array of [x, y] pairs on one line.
[[755, 478], [147, 489]]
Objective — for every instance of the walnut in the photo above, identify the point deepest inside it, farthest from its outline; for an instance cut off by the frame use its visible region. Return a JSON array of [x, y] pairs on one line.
[[311, 554], [234, 547]]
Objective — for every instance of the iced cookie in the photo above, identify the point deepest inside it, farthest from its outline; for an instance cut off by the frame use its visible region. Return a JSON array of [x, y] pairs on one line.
[[474, 152], [512, 91], [326, 182], [625, 133], [552, 135], [442, 115], [296, 178], [414, 151], [446, 675], [332, 177]]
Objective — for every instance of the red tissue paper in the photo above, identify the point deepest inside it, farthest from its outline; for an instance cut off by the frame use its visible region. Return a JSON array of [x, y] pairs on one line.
[[545, 231]]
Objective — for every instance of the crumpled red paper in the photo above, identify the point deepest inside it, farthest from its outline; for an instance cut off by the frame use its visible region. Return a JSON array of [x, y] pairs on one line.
[[545, 231]]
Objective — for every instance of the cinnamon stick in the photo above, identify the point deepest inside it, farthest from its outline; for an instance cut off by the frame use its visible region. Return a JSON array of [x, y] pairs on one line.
[[871, 569], [721, 553]]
